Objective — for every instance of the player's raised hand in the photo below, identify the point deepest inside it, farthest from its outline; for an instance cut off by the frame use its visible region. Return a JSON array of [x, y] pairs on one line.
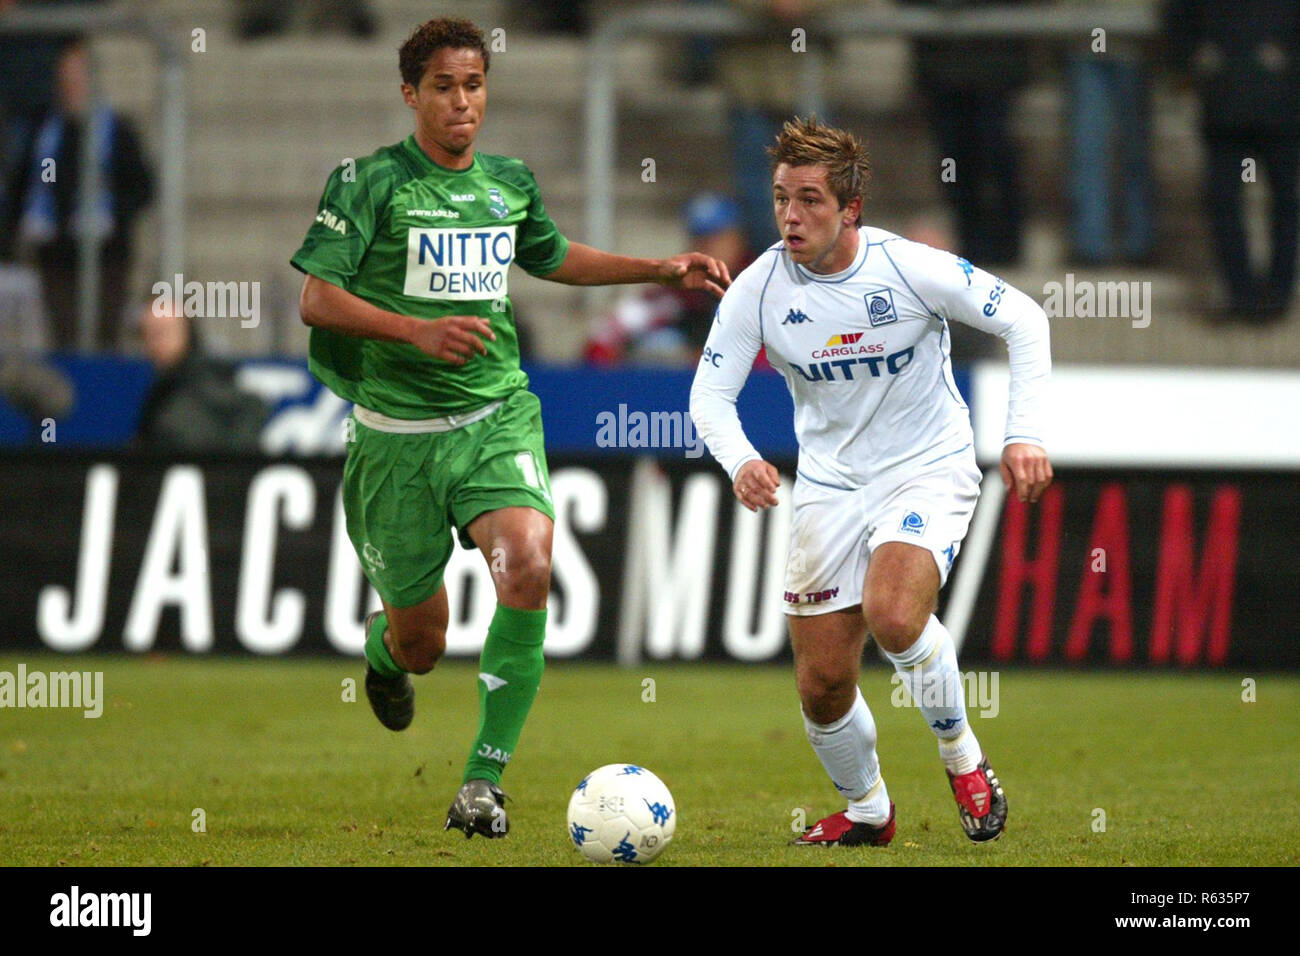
[[756, 484], [1026, 469], [695, 270], [453, 338]]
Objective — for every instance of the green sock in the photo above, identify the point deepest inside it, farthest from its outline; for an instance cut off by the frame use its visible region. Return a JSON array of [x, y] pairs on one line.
[[510, 671], [377, 652]]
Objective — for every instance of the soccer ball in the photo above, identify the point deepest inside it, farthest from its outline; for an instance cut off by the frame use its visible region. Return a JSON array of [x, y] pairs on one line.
[[621, 813]]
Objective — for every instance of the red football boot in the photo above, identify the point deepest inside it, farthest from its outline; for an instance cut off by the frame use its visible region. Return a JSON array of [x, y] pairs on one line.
[[839, 830], [981, 805]]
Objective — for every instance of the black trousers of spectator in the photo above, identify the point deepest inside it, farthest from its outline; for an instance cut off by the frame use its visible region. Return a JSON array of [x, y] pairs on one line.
[[61, 291], [1278, 155], [971, 127]]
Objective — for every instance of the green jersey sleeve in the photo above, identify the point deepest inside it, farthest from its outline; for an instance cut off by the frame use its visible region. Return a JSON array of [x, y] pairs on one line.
[[344, 227], [541, 247]]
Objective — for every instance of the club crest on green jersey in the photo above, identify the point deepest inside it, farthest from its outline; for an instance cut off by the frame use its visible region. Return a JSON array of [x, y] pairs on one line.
[[497, 203]]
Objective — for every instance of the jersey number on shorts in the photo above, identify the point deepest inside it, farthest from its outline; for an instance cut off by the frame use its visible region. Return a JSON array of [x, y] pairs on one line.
[[532, 478]]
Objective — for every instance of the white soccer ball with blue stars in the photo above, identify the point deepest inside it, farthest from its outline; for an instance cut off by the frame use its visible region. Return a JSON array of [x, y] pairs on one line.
[[621, 813]]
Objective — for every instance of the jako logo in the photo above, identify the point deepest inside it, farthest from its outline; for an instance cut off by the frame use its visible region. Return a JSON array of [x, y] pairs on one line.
[[825, 371], [795, 317], [102, 909]]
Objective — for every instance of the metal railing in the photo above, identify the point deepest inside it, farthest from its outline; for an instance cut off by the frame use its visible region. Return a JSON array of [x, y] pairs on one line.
[[601, 111], [172, 119]]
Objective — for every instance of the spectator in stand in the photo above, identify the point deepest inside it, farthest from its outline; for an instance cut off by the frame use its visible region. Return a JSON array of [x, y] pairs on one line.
[[762, 79], [968, 86], [50, 223], [1244, 58], [665, 325], [194, 404], [27, 69], [1110, 164]]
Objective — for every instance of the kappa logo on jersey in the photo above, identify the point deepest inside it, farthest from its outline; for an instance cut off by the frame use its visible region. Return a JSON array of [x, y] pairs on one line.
[[497, 203], [880, 307], [844, 338], [331, 221], [825, 371], [795, 317], [459, 264], [914, 523], [966, 267]]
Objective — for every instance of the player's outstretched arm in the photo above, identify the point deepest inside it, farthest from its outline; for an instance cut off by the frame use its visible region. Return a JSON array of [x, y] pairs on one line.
[[585, 265], [452, 338]]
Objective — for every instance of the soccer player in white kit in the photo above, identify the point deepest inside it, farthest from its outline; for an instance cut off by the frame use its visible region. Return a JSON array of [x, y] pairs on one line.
[[856, 320]]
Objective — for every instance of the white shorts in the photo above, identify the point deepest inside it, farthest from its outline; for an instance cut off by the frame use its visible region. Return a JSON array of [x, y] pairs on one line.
[[834, 530]]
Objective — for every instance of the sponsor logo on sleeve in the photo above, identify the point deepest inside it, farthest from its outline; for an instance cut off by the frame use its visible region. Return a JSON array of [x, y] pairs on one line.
[[914, 523], [331, 221], [966, 267]]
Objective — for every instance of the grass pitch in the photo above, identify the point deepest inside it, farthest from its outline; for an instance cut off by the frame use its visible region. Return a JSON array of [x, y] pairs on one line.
[[286, 772]]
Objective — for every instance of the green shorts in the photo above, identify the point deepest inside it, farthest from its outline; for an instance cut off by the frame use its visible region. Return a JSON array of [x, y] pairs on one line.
[[403, 494]]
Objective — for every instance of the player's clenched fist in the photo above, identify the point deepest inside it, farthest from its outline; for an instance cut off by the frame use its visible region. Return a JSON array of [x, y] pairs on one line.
[[1026, 469], [756, 484], [453, 338]]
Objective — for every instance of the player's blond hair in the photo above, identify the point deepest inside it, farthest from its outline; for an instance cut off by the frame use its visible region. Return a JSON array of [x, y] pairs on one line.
[[810, 142]]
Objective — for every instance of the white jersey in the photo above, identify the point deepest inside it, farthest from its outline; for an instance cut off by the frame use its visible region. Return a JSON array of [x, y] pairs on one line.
[[864, 353]]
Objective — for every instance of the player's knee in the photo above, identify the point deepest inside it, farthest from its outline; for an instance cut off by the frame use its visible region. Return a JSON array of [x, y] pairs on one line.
[[892, 622], [826, 695], [420, 645], [526, 579]]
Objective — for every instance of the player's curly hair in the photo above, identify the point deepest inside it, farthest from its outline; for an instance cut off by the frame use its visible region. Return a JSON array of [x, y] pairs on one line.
[[810, 142], [433, 35]]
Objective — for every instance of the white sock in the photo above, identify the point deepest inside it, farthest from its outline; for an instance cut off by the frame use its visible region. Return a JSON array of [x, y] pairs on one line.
[[847, 749], [929, 670]]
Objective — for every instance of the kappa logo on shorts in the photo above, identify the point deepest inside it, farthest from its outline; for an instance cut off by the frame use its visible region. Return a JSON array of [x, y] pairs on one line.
[[374, 557], [880, 307], [914, 523]]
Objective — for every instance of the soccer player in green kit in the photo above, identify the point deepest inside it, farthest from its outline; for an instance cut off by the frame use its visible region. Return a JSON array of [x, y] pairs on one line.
[[406, 293]]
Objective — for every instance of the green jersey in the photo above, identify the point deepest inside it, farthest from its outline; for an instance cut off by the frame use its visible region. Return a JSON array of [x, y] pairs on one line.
[[413, 237]]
